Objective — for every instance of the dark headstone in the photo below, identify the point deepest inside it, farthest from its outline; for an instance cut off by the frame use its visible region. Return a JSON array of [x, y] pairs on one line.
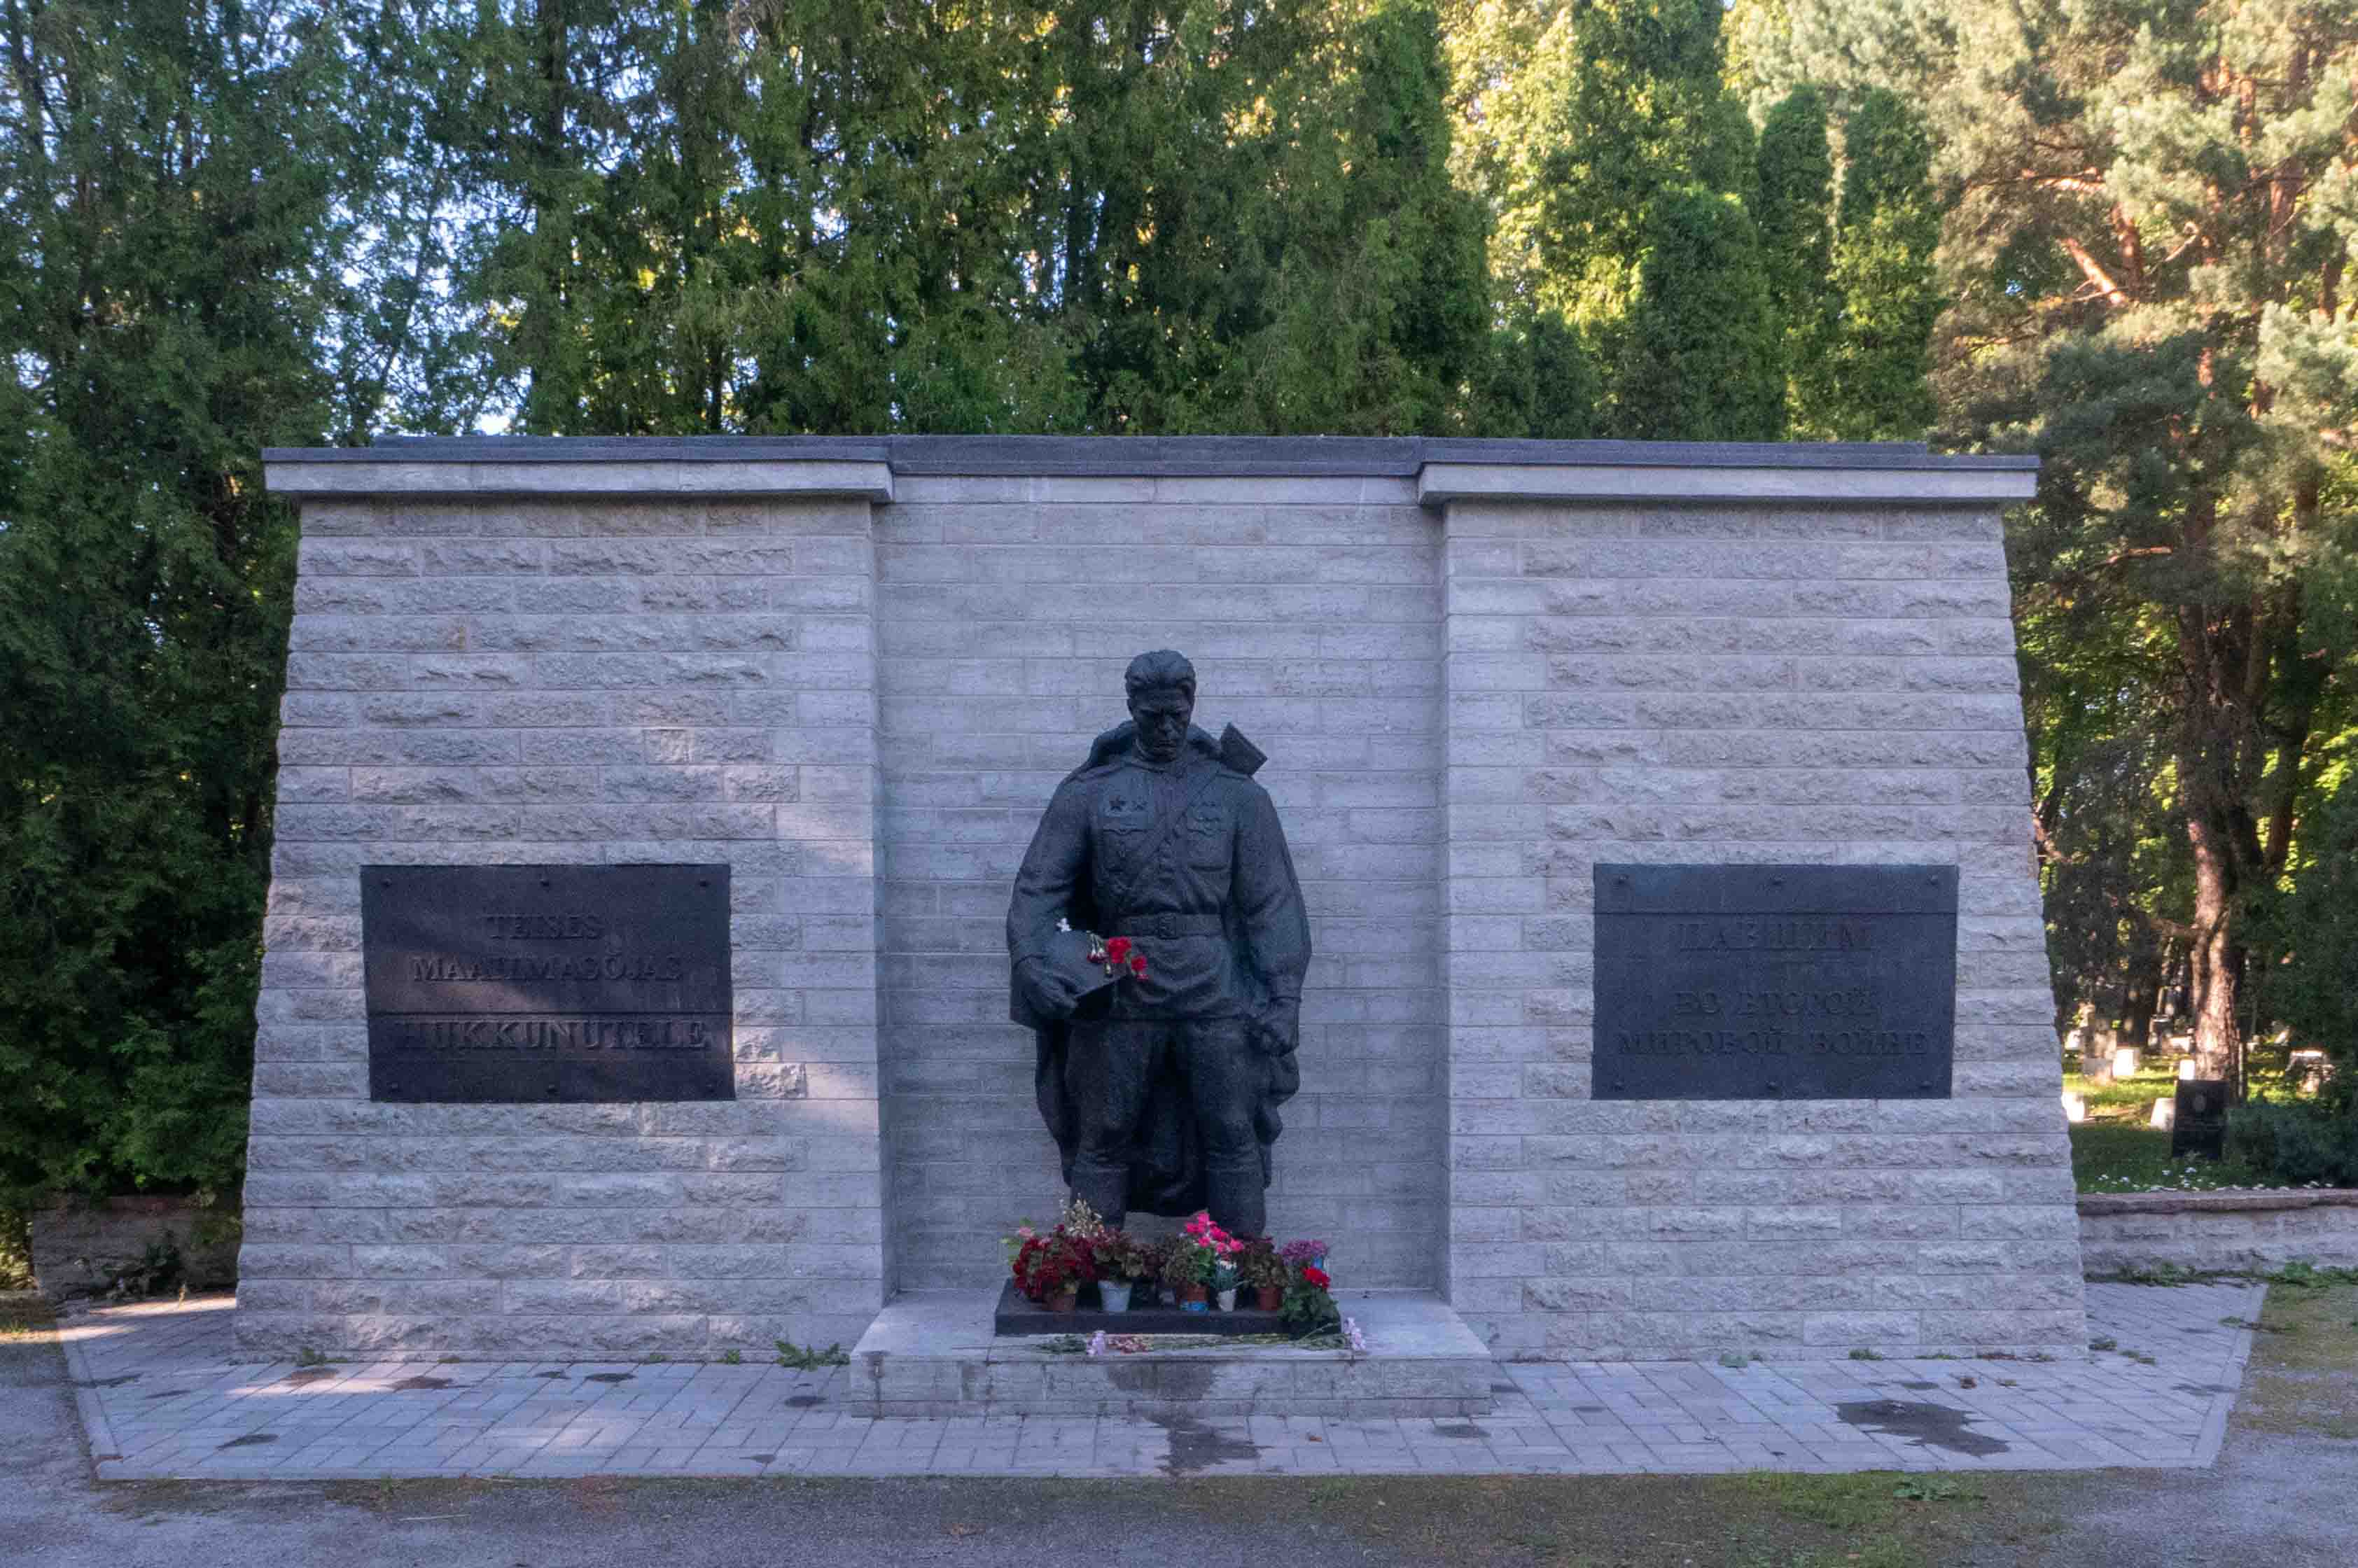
[[548, 983], [1775, 982], [2198, 1123]]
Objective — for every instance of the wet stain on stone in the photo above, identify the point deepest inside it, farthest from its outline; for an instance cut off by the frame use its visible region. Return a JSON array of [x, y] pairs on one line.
[[423, 1383], [109, 1382], [1178, 1381], [1927, 1425], [1919, 1386], [552, 1372], [2205, 1388], [1502, 1388], [250, 1440], [805, 1401], [168, 1394], [312, 1374], [1195, 1446], [1588, 1409], [607, 1378], [762, 1458], [1459, 1428]]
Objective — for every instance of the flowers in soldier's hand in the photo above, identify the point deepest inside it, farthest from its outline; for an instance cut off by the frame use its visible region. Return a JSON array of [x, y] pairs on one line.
[[1113, 954]]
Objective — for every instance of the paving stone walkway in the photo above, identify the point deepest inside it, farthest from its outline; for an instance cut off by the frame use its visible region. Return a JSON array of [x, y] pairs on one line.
[[161, 1398]]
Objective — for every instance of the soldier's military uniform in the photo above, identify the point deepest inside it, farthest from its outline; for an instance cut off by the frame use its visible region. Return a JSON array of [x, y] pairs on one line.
[[1162, 1091]]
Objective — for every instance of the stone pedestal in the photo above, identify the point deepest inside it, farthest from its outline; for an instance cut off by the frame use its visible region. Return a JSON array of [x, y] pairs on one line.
[[934, 1353]]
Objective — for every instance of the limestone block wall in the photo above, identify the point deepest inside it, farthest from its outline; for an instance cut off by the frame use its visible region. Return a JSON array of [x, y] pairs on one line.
[[560, 678], [1006, 608], [1746, 683], [855, 670], [2249, 1230]]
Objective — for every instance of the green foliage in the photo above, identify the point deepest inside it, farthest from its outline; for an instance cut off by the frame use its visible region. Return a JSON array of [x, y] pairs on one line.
[[810, 1359], [168, 179], [1796, 219], [1615, 166], [1700, 359], [2298, 1143], [2310, 931], [1872, 383], [16, 1250]]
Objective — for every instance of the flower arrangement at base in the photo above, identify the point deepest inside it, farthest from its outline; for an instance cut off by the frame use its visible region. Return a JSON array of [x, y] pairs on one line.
[[1051, 1265], [1122, 1263], [1303, 1254], [1309, 1307], [1264, 1272], [1178, 1271]]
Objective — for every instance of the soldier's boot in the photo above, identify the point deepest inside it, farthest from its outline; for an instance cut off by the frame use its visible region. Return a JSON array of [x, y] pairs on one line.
[[1237, 1201]]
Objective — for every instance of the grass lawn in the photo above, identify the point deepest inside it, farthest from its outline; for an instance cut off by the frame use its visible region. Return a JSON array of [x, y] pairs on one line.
[[2118, 1150]]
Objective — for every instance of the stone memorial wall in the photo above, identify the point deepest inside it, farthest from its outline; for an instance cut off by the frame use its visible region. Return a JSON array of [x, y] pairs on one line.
[[842, 677]]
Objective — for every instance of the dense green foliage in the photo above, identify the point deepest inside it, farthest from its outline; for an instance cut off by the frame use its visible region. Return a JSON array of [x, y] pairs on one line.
[[2144, 253], [171, 187]]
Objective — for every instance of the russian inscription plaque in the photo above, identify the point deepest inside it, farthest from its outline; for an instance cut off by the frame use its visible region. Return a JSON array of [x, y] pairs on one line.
[[548, 983], [1775, 982]]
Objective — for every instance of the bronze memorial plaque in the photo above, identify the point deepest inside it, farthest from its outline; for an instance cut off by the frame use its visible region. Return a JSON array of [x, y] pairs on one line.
[[1775, 982], [548, 983]]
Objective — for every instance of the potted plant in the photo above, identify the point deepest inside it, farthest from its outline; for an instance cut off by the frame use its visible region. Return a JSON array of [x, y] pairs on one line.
[[1050, 1267], [1309, 1307], [1212, 1252], [1264, 1272], [1225, 1281], [1182, 1271], [1121, 1263], [1311, 1254]]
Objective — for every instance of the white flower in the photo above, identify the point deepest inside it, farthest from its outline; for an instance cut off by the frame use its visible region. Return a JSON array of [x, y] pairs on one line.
[[1351, 1332], [1098, 1343]]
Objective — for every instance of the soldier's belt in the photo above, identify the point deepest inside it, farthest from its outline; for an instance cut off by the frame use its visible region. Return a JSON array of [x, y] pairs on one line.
[[1167, 926]]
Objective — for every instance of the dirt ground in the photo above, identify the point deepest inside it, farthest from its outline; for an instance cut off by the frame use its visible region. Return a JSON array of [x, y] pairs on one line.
[[2281, 1497]]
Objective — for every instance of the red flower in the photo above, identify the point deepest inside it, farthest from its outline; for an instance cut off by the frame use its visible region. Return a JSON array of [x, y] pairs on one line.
[[1314, 1275], [1138, 964], [1118, 949]]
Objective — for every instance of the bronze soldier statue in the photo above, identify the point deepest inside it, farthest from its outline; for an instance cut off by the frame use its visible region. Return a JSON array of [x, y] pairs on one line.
[[1161, 1087]]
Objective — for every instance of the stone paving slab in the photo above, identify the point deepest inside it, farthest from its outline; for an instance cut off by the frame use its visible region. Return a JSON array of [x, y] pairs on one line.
[[161, 1397]]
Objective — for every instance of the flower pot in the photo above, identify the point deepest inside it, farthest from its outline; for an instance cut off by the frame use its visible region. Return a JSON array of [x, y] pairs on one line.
[[1228, 1299], [1065, 1300], [1191, 1298], [1115, 1294], [1271, 1297]]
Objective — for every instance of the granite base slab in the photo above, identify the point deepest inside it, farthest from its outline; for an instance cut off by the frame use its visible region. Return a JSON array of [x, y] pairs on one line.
[[1015, 1315], [934, 1353]]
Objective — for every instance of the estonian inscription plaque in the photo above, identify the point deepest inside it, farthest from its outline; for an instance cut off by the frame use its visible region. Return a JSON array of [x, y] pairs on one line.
[[1775, 982], [548, 983]]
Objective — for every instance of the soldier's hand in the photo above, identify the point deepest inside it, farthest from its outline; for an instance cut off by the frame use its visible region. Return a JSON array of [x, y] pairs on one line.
[[1278, 1025], [1046, 989]]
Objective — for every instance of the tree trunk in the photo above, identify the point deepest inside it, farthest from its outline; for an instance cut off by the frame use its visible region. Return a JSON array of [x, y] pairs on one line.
[[2216, 956], [2144, 996]]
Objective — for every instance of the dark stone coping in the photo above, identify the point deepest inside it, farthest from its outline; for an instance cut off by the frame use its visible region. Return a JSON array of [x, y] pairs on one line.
[[1401, 457], [2218, 1202], [1014, 1316]]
